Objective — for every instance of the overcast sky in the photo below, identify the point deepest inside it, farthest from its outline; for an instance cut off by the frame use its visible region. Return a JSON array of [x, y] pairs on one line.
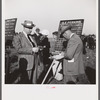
[[46, 14]]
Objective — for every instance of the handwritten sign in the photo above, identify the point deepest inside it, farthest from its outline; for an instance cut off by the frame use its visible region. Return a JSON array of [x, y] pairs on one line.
[[77, 28], [77, 25], [10, 25]]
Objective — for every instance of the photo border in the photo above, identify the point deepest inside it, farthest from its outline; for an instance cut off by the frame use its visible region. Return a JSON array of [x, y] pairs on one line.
[[98, 50], [1, 50]]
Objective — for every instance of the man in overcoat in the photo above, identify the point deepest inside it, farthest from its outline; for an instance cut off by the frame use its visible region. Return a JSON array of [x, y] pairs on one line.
[[73, 68], [26, 47]]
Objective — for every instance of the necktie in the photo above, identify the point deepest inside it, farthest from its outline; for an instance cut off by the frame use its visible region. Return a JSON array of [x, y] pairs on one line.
[[33, 44]]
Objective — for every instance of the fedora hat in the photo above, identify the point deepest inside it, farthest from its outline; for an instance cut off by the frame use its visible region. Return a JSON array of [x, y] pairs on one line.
[[28, 24], [65, 28]]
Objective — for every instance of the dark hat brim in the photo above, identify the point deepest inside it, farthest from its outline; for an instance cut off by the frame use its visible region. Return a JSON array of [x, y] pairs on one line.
[[55, 33]]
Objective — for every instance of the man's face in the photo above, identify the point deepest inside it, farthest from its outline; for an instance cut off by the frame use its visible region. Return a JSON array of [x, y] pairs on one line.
[[37, 30], [28, 30], [66, 34]]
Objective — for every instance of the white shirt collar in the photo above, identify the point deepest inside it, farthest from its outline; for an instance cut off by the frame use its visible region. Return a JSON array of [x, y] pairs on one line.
[[25, 33], [30, 38], [71, 35]]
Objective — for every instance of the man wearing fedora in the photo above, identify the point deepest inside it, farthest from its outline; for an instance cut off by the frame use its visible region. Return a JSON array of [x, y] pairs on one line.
[[26, 47], [73, 68]]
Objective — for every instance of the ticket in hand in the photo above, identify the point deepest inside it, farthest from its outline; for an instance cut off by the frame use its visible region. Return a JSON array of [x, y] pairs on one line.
[[56, 52], [58, 57]]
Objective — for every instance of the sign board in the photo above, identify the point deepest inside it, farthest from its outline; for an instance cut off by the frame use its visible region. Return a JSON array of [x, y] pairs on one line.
[[10, 26], [77, 25], [77, 28], [59, 44]]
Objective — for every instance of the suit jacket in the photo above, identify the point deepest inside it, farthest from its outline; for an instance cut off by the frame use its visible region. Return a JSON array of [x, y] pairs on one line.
[[24, 49], [73, 61]]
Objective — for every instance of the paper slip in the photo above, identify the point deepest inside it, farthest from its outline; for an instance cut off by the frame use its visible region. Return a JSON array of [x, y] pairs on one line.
[[71, 60]]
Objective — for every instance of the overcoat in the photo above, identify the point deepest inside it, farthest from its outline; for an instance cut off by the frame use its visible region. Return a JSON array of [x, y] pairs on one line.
[[73, 57], [24, 49]]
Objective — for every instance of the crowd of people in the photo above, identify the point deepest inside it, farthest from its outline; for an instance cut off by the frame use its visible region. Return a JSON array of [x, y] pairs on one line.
[[89, 41], [33, 51]]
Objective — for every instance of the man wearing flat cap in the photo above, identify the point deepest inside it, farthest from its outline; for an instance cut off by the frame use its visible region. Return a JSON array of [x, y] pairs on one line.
[[73, 61], [26, 47]]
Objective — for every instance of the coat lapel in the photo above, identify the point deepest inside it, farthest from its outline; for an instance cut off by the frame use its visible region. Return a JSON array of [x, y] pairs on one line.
[[26, 39]]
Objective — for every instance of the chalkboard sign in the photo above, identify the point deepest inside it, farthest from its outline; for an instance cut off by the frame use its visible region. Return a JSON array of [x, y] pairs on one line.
[[77, 28], [59, 44], [77, 25], [10, 26]]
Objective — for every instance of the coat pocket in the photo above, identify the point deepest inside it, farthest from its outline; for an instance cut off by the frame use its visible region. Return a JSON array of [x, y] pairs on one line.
[[71, 67]]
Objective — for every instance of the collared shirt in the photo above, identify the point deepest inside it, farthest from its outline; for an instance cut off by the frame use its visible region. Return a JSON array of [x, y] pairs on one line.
[[30, 38], [72, 35]]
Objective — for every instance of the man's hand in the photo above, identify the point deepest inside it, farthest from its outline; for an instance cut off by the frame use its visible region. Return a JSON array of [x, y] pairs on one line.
[[62, 53], [35, 49], [58, 57]]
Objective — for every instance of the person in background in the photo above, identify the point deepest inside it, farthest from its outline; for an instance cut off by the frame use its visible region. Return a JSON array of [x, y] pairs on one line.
[[54, 41], [73, 68], [94, 41], [26, 47], [37, 35], [90, 41], [84, 40], [46, 52], [39, 56], [55, 35]]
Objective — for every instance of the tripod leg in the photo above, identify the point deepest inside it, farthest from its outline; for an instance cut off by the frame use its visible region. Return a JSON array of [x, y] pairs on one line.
[[48, 72]]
